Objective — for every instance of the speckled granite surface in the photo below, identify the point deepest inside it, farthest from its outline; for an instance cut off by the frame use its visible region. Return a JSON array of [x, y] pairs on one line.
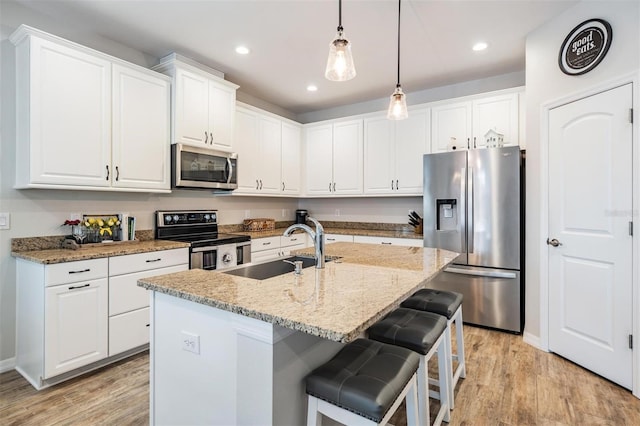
[[338, 302], [389, 230], [55, 241], [95, 251]]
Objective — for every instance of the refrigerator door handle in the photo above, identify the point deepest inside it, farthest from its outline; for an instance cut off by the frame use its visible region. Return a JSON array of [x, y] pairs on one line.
[[488, 274], [463, 214], [470, 215]]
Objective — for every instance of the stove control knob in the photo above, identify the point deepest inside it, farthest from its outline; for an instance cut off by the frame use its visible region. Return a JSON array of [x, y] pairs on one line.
[[167, 218], [226, 258], [207, 217], [175, 218]]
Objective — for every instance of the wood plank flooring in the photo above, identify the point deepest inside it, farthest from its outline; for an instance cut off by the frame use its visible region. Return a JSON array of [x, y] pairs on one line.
[[508, 383]]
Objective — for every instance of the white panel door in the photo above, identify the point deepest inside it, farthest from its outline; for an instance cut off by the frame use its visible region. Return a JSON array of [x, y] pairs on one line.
[[450, 121], [347, 157], [192, 108], [140, 130], [379, 165], [222, 104], [246, 146], [70, 127], [270, 158], [319, 159], [291, 159], [590, 210], [411, 143], [75, 325]]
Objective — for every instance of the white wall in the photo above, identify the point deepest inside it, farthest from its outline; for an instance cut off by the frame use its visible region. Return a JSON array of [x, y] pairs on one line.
[[546, 83], [380, 209]]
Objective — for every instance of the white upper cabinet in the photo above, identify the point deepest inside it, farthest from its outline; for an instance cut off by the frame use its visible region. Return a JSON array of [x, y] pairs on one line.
[[469, 121], [203, 104], [77, 109], [140, 130], [268, 153], [291, 159], [393, 153], [334, 158]]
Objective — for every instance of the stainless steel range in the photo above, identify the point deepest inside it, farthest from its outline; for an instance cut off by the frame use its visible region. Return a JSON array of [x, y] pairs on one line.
[[209, 249]]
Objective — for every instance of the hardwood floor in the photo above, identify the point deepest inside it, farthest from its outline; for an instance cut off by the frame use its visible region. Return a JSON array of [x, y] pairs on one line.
[[508, 383]]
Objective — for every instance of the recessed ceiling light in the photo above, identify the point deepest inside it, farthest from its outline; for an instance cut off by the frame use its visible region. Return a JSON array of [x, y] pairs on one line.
[[242, 50], [312, 88], [479, 46]]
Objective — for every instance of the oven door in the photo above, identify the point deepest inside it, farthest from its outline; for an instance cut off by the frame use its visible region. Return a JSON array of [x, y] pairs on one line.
[[214, 257], [203, 168]]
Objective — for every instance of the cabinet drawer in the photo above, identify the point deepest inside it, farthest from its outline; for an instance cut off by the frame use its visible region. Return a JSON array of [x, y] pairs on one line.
[[334, 238], [267, 243], [411, 242], [298, 239], [127, 331], [71, 272], [124, 293], [144, 261]]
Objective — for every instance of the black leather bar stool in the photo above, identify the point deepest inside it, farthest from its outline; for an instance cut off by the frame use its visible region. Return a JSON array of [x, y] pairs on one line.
[[448, 304], [364, 384], [424, 333]]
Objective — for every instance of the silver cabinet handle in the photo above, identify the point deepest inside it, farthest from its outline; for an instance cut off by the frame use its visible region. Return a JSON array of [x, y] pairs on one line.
[[385, 243], [331, 239], [153, 260], [334, 187], [79, 286], [107, 178], [283, 186], [392, 184], [474, 143], [211, 138], [329, 186], [117, 174], [397, 183], [468, 140], [206, 137], [266, 244], [80, 272], [261, 184], [257, 184], [554, 242]]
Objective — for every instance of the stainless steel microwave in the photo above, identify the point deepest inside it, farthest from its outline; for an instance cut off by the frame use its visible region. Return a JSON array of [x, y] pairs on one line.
[[203, 168]]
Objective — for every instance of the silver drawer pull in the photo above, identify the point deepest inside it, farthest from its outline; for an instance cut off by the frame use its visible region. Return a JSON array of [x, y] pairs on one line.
[[80, 272], [266, 244], [148, 325], [387, 244], [153, 260], [79, 286], [331, 239]]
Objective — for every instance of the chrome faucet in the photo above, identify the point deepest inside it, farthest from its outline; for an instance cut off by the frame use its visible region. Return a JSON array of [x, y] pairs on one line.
[[317, 236]]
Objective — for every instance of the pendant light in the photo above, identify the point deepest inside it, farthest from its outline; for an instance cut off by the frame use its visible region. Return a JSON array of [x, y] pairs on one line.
[[398, 103], [340, 65]]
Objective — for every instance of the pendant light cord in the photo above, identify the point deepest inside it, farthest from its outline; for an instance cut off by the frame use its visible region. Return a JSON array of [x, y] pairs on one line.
[[340, 15], [398, 83]]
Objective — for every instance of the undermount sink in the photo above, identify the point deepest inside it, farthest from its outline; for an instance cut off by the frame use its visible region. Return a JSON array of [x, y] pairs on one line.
[[262, 271]]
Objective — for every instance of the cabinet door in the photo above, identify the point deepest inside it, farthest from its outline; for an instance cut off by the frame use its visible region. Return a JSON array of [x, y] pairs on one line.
[[191, 108], [318, 159], [379, 170], [222, 105], [269, 162], [291, 159], [246, 143], [69, 116], [499, 113], [347, 157], [451, 121], [140, 150], [75, 325], [411, 143]]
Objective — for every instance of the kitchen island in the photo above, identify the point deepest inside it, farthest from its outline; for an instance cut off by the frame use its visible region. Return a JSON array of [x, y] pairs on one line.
[[233, 350]]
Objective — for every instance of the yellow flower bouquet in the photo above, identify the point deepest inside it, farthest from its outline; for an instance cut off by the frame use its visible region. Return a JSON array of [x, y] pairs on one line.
[[101, 228]]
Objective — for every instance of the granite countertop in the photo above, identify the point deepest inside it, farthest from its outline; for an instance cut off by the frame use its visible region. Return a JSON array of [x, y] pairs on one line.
[[95, 251], [338, 302]]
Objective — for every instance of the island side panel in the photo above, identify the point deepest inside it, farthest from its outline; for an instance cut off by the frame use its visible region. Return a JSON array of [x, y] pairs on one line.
[[191, 388]]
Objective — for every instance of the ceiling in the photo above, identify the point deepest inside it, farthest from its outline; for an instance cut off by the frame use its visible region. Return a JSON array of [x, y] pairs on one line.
[[289, 40]]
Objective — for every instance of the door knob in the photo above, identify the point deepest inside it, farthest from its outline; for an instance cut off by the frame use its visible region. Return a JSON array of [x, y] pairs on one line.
[[554, 242]]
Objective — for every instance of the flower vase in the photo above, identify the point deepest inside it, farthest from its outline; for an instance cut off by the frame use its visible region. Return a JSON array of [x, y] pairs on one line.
[[93, 235]]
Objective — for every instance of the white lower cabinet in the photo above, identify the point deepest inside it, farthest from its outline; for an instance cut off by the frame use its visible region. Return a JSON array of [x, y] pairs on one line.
[[75, 325], [334, 238], [409, 242], [75, 316], [268, 248]]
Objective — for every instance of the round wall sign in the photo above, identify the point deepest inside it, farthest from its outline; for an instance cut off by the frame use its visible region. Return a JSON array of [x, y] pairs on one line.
[[585, 46]]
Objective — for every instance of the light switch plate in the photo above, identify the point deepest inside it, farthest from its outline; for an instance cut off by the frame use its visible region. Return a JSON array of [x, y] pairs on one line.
[[5, 220]]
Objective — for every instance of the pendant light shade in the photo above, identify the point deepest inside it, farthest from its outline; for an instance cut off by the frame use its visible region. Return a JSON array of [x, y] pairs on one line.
[[340, 65], [398, 103]]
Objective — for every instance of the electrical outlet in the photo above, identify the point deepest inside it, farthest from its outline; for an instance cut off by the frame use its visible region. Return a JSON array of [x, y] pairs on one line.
[[337, 213], [247, 214], [190, 342], [285, 212]]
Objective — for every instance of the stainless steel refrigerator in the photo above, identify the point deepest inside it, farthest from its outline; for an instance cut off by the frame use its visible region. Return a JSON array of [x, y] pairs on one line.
[[473, 204]]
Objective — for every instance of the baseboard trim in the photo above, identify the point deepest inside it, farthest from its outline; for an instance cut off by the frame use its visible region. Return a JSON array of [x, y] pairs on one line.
[[532, 340], [7, 364]]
